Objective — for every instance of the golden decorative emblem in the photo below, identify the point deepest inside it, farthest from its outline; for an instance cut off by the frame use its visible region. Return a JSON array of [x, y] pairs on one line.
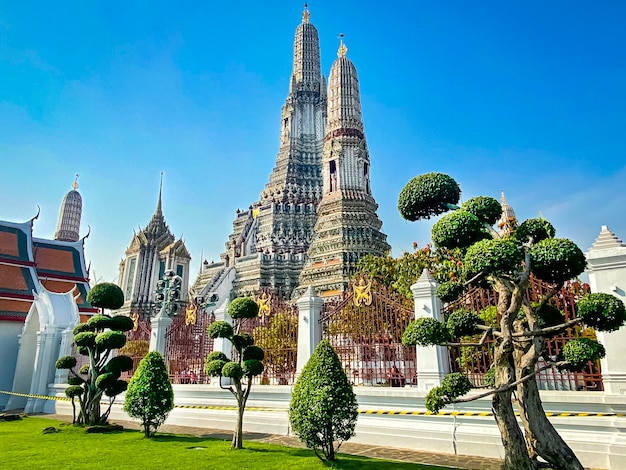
[[264, 304], [135, 318], [190, 317], [362, 293]]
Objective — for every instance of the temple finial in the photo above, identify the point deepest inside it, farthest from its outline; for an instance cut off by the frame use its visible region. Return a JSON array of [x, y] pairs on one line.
[[159, 205], [342, 47], [75, 183], [306, 14], [502, 196]]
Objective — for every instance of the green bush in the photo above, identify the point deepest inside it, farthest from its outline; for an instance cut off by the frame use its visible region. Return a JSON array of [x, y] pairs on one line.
[[242, 340], [557, 260], [323, 407], [449, 291], [106, 295], [84, 369], [425, 332], [459, 229], [110, 340], [121, 323], [243, 307], [74, 391], [490, 378], [462, 323], [220, 329], [217, 356], [66, 362], [428, 195], [538, 229], [253, 352], [82, 328], [603, 312], [119, 364], [117, 387], [455, 385], [150, 396], [86, 339], [435, 400], [252, 367], [487, 209], [493, 256], [214, 367], [106, 380], [578, 351], [549, 315], [73, 380], [233, 370], [99, 322]]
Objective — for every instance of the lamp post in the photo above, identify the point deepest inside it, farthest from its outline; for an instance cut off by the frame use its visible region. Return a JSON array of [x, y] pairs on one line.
[[168, 295]]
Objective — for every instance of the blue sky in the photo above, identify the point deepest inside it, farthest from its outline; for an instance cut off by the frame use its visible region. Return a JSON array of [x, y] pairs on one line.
[[529, 98]]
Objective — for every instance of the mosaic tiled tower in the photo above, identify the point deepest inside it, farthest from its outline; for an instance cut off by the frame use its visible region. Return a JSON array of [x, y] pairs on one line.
[[347, 227], [268, 245], [68, 227]]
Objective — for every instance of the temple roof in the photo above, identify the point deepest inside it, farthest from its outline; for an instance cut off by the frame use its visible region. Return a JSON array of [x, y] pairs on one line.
[[606, 240]]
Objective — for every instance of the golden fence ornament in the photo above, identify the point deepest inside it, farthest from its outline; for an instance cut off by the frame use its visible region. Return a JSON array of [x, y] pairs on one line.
[[362, 293], [135, 318], [264, 304], [190, 314]]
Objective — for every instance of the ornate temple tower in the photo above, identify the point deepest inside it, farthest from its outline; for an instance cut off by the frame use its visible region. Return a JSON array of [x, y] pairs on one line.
[[270, 239], [153, 250], [68, 227], [507, 220], [347, 226]]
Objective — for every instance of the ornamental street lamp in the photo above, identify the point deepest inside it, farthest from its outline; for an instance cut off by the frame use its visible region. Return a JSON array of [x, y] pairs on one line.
[[168, 293]]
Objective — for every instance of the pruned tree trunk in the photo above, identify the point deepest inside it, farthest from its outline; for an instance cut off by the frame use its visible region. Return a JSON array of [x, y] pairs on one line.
[[516, 455], [546, 440]]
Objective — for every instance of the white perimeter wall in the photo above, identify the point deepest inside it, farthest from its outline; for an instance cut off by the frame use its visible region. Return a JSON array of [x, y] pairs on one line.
[[599, 442], [9, 341]]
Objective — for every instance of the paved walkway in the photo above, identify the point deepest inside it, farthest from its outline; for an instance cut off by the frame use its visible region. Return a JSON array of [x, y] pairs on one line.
[[388, 453]]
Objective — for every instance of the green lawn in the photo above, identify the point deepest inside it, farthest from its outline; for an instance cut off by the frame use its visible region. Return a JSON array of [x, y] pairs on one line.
[[23, 445]]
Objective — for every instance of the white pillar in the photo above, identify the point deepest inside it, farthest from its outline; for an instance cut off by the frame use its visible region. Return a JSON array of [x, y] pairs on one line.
[[160, 323], [222, 344], [67, 337], [606, 266], [43, 369], [433, 362], [309, 327]]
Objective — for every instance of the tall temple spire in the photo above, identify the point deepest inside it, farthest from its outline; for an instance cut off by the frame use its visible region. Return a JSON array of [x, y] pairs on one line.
[[159, 209], [269, 241], [347, 226], [68, 227], [508, 220], [157, 226]]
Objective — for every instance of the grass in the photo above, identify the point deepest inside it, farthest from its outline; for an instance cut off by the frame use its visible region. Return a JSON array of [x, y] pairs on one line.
[[24, 445]]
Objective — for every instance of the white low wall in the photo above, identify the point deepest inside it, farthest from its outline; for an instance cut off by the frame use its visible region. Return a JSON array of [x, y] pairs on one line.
[[599, 442]]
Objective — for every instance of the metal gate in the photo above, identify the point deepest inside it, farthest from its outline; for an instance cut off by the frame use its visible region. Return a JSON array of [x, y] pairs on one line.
[[476, 361], [275, 330], [365, 329], [187, 345], [137, 342]]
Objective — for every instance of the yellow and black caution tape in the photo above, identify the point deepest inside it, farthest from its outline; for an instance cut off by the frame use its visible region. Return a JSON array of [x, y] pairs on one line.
[[364, 412]]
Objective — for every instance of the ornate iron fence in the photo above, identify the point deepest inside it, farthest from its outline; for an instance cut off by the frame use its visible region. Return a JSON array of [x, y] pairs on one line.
[[476, 361], [187, 345], [275, 330], [137, 342], [365, 329]]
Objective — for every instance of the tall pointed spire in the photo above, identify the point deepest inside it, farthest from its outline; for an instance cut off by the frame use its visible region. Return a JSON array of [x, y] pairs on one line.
[[157, 226], [68, 227], [507, 220], [347, 226], [159, 209]]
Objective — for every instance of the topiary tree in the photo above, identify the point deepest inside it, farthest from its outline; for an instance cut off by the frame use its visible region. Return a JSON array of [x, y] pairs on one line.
[[323, 409], [506, 263], [150, 396], [106, 295], [97, 339], [245, 364]]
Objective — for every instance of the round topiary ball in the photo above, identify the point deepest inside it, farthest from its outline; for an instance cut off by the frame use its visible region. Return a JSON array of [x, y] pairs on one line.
[[106, 380], [603, 312], [579, 351], [74, 391], [220, 329], [449, 291], [99, 322], [119, 364], [242, 340], [73, 380], [425, 332], [66, 362], [253, 352], [252, 367], [243, 307], [538, 229], [428, 195], [455, 385], [85, 339], [487, 209], [118, 387], [462, 323], [214, 367], [106, 295], [549, 315], [233, 370], [110, 340], [217, 356], [492, 257], [556, 260], [121, 323], [81, 328], [459, 229]]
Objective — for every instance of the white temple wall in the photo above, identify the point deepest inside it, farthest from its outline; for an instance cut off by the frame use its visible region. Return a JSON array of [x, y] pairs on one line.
[[9, 343]]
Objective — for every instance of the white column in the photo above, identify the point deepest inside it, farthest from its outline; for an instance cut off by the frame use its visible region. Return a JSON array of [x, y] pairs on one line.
[[309, 327], [43, 369], [433, 362], [222, 344], [160, 323], [67, 337], [606, 266]]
